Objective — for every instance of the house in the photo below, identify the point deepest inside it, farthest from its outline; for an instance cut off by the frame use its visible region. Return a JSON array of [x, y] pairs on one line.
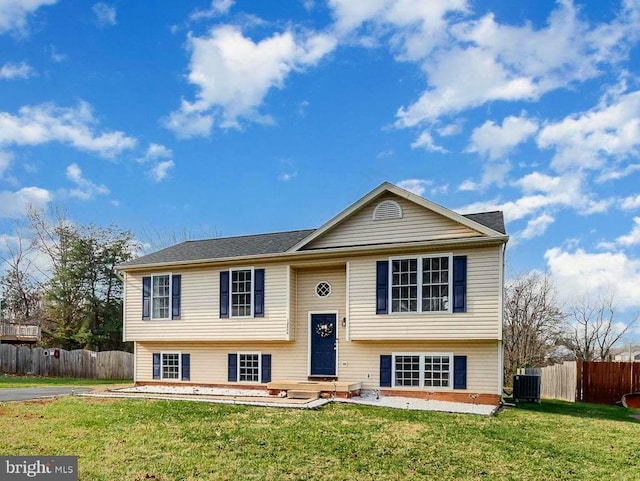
[[395, 293], [627, 355]]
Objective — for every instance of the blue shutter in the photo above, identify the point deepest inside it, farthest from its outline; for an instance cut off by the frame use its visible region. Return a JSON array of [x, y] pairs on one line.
[[224, 294], [232, 367], [175, 296], [156, 365], [266, 368], [459, 372], [258, 293], [385, 371], [186, 367], [146, 298], [382, 287], [460, 284]]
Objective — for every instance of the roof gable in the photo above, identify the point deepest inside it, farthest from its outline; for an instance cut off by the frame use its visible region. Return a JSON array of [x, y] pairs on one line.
[[421, 220]]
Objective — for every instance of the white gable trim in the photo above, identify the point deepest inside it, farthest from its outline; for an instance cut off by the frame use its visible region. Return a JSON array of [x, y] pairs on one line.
[[416, 199]]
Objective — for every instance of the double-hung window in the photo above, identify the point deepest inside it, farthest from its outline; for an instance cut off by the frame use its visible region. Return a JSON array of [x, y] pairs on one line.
[[160, 296], [170, 365], [421, 284], [241, 293], [423, 370], [248, 367]]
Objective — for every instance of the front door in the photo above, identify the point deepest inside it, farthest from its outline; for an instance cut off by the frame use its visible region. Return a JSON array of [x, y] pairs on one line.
[[323, 344]]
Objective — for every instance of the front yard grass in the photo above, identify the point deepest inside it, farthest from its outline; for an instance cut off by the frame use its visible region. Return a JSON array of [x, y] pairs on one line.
[[164, 440], [8, 381]]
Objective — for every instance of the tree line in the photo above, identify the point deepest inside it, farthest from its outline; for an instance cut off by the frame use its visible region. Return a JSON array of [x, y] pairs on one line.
[[540, 330], [62, 277]]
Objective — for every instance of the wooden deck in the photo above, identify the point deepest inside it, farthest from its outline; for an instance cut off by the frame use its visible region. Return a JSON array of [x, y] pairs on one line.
[[344, 389]]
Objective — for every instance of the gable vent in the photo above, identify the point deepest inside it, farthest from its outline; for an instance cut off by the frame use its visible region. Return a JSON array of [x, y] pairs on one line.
[[387, 209]]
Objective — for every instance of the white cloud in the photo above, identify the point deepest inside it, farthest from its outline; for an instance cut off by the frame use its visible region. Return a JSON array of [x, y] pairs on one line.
[[105, 14], [39, 124], [234, 74], [615, 172], [416, 27], [14, 204], [468, 186], [542, 192], [631, 202], [12, 71], [537, 226], [580, 273], [450, 129], [417, 186], [587, 140], [160, 171], [156, 151], [496, 141], [483, 61], [425, 141], [14, 13], [217, 8], [633, 237], [85, 189]]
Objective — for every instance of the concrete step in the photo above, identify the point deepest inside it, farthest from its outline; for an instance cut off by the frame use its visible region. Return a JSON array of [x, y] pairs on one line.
[[302, 394]]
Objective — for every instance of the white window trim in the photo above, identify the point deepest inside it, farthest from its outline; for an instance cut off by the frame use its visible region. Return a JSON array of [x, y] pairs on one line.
[[253, 288], [244, 353], [170, 297], [162, 354], [330, 289], [422, 356], [419, 258]]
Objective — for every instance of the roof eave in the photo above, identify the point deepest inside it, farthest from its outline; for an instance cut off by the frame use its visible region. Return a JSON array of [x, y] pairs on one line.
[[327, 252]]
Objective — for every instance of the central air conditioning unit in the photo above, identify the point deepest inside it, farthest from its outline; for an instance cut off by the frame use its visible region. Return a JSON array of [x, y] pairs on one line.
[[526, 387]]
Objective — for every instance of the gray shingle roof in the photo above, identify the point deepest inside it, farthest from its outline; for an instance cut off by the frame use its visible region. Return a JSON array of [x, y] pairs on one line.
[[247, 245], [261, 244], [493, 220]]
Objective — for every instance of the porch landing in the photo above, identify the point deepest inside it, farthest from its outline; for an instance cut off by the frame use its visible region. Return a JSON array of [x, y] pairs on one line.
[[341, 389]]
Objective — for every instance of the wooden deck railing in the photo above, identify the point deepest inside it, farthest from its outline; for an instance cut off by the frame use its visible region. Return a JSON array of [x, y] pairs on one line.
[[18, 331]]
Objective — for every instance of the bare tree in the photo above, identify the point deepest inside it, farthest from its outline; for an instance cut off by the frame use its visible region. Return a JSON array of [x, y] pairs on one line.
[[595, 327], [19, 284], [532, 322], [154, 238]]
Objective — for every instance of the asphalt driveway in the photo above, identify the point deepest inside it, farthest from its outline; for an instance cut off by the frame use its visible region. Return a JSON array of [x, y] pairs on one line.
[[28, 393]]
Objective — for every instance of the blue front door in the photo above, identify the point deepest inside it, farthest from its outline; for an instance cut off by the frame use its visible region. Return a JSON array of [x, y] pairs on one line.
[[323, 344]]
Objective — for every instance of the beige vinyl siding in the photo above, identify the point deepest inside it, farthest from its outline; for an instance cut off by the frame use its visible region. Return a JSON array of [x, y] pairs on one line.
[[363, 361], [481, 321], [293, 302], [289, 360], [417, 224], [200, 309]]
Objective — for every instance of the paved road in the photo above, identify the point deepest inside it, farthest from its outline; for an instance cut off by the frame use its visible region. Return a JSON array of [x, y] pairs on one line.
[[27, 393]]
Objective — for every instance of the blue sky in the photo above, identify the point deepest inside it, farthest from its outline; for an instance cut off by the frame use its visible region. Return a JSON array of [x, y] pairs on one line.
[[250, 116]]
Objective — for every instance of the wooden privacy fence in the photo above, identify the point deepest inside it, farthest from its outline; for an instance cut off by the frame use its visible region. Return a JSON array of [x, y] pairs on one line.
[[556, 382], [76, 363], [606, 382], [594, 382]]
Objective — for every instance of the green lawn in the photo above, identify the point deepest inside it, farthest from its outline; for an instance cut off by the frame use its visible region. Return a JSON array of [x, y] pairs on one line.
[[7, 381], [162, 440]]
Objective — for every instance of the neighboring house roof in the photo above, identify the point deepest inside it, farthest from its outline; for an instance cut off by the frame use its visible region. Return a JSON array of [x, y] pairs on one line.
[[259, 244]]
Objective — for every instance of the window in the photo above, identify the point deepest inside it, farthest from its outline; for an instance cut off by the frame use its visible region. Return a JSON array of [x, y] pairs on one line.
[[160, 296], [241, 292], [323, 289], [248, 367], [430, 294], [423, 370], [435, 284], [171, 365]]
